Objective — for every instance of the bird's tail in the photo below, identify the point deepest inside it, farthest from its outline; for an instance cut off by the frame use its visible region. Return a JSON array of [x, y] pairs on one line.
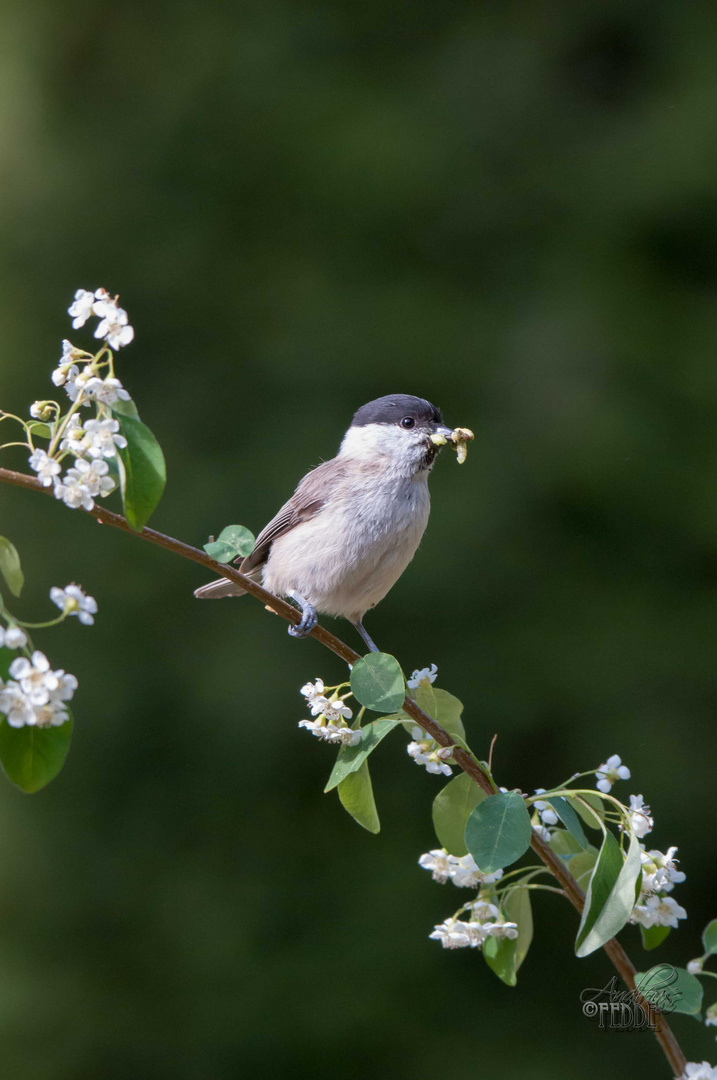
[[216, 590]]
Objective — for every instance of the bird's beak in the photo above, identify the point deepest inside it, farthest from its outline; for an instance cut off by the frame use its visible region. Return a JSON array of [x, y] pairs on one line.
[[440, 435]]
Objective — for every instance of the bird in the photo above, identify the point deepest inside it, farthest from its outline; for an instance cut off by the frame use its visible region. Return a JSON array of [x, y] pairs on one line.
[[354, 523]]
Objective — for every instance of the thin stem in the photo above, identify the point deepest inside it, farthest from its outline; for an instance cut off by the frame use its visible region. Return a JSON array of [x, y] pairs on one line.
[[544, 888], [42, 625], [463, 759]]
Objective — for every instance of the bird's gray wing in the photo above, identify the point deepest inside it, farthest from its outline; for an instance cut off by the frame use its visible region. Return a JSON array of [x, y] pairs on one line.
[[308, 499]]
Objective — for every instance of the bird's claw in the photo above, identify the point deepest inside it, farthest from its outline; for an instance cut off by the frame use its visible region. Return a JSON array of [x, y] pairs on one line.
[[302, 629]]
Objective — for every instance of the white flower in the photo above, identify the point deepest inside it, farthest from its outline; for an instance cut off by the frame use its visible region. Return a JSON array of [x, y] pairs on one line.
[[311, 690], [73, 601], [15, 705], [695, 966], [640, 817], [330, 731], [417, 677], [483, 910], [426, 752], [462, 871], [659, 872], [73, 492], [114, 326], [547, 814], [542, 832], [41, 410], [456, 934], [20, 711], [12, 638], [102, 437], [467, 875], [65, 363], [106, 391], [337, 710], [711, 1015], [658, 911], [45, 466], [440, 863], [51, 715], [332, 716], [35, 677], [501, 928], [612, 770], [67, 684], [74, 439], [81, 308], [431, 761], [318, 704], [696, 1071], [93, 476], [76, 381]]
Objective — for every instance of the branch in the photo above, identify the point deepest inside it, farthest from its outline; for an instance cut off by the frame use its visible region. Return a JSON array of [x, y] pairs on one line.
[[467, 763]]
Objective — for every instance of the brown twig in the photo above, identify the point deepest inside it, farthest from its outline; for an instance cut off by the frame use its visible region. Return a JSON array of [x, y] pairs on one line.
[[463, 759]]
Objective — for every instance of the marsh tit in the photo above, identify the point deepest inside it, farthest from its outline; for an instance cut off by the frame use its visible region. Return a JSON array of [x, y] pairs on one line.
[[354, 523]]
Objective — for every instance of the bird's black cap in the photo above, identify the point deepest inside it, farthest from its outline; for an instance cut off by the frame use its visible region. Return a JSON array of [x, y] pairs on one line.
[[392, 408]]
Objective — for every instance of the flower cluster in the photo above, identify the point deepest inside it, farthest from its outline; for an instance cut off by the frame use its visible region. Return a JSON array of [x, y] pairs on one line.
[[659, 876], [88, 381], [425, 751], [113, 326], [462, 871], [485, 921], [695, 1070], [331, 713], [35, 694]]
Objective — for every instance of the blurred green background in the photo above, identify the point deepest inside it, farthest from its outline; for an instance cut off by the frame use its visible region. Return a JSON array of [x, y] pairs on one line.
[[508, 208]]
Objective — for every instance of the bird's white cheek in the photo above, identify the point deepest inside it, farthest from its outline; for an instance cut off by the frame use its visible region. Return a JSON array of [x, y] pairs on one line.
[[383, 442]]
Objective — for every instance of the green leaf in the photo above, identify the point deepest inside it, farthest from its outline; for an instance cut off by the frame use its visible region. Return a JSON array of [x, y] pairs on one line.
[[498, 831], [582, 865], [356, 795], [518, 910], [499, 955], [503, 955], [377, 682], [670, 989], [565, 845], [10, 566], [451, 809], [351, 758], [610, 896], [709, 937], [232, 541], [442, 707], [31, 757], [570, 819], [143, 472], [652, 936], [125, 408], [6, 658], [581, 806], [42, 431]]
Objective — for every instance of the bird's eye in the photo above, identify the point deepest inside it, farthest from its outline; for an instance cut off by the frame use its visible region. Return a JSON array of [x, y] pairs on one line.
[[408, 422]]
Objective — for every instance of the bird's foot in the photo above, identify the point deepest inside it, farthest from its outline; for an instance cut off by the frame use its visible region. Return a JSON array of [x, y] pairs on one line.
[[308, 617]]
